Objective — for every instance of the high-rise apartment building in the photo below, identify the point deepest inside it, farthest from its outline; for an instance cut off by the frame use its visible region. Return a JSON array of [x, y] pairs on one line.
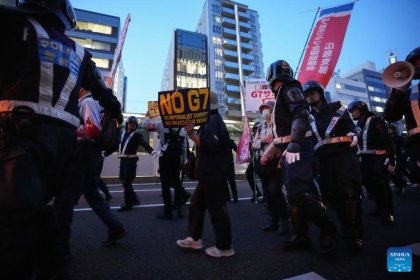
[[234, 51], [186, 65], [99, 34]]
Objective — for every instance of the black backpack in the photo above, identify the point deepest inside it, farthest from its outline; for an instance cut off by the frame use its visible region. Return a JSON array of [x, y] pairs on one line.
[[109, 138]]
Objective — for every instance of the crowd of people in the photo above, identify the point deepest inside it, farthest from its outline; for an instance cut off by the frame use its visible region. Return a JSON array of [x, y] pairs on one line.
[[52, 99]]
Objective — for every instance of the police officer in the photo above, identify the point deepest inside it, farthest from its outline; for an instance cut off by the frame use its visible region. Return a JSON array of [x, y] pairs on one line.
[[405, 102], [173, 151], [131, 139], [377, 158], [41, 73], [290, 135], [334, 134], [398, 175]]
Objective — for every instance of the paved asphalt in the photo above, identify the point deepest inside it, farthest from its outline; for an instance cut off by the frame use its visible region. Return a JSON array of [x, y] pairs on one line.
[[149, 251]]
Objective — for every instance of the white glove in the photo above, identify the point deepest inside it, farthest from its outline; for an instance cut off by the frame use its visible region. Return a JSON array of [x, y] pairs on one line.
[[153, 154], [354, 139], [291, 157]]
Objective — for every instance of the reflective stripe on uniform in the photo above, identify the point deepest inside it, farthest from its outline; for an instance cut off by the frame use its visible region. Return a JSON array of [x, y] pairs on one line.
[[333, 140], [287, 139], [371, 152]]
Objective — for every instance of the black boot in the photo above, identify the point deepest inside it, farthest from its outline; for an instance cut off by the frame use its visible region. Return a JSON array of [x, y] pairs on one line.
[[125, 207], [353, 225], [315, 212], [299, 240]]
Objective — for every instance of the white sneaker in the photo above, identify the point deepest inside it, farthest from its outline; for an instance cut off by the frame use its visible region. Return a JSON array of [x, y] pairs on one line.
[[217, 253], [190, 243]]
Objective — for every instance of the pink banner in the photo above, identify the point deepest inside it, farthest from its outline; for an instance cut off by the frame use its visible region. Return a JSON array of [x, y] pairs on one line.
[[324, 47], [242, 153]]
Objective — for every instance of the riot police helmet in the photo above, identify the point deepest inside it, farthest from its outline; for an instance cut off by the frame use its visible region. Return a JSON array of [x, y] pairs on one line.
[[312, 85], [360, 105], [279, 70], [61, 9], [413, 55]]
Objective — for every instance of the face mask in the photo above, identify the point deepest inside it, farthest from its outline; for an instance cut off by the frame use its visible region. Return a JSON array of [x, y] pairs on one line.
[[266, 114]]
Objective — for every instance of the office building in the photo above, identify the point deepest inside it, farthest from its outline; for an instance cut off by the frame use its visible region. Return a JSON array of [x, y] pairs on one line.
[[234, 51], [99, 34], [346, 91], [376, 89], [186, 64]]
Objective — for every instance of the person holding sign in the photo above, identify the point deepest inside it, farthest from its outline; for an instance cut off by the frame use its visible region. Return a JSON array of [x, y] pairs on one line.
[[212, 169]]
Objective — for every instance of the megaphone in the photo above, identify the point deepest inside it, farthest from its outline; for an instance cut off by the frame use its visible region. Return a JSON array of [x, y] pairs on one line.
[[398, 74]]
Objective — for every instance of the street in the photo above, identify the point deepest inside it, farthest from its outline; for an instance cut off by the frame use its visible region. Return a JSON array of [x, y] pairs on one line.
[[149, 251]]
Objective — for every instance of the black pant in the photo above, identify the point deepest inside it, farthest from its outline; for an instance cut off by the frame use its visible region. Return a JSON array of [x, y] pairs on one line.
[[210, 196], [376, 182], [34, 167], [251, 178], [170, 176], [128, 168], [276, 201]]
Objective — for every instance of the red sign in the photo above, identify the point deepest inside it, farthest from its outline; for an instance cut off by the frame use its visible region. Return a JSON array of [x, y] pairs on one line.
[[324, 47]]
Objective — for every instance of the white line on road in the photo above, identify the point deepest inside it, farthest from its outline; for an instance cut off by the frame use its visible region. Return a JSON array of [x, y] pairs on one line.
[[141, 206], [307, 276]]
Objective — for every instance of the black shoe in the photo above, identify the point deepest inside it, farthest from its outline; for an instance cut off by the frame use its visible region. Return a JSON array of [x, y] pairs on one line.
[[388, 219], [165, 216], [271, 227], [328, 241], [297, 242], [136, 201], [354, 246], [284, 227], [186, 197], [114, 237], [108, 197], [125, 207]]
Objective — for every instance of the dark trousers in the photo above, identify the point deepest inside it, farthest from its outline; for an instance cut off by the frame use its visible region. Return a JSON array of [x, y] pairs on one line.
[[340, 181], [232, 183], [210, 196], [34, 167], [251, 178], [376, 182], [92, 167], [128, 168], [170, 176], [276, 201]]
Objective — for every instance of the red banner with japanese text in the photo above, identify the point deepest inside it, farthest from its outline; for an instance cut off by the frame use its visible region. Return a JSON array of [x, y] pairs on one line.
[[324, 47], [242, 153]]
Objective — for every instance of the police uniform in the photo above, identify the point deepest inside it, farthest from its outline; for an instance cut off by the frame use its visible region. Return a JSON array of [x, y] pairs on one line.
[[130, 141], [291, 134], [375, 153], [41, 72], [339, 172]]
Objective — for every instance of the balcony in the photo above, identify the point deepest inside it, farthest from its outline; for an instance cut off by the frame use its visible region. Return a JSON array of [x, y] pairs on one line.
[[232, 77], [244, 17], [246, 37], [244, 26], [229, 44], [246, 47], [230, 55], [247, 58], [232, 88], [249, 68], [231, 66], [229, 33], [228, 22], [231, 100], [227, 12]]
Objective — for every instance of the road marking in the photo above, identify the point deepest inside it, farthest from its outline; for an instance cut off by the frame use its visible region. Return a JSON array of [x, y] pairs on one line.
[[158, 183], [143, 206], [147, 190], [307, 276]]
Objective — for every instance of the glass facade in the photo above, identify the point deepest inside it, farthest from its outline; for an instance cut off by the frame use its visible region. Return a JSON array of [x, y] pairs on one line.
[[94, 27], [191, 59]]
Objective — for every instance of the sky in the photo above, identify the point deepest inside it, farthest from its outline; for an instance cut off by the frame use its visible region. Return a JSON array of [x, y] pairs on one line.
[[376, 27]]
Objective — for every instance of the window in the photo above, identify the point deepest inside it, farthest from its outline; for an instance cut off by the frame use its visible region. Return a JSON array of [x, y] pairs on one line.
[[94, 45], [101, 62], [94, 27]]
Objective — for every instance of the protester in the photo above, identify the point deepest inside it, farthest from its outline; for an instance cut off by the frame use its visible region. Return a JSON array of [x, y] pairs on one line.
[[212, 169], [250, 172]]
